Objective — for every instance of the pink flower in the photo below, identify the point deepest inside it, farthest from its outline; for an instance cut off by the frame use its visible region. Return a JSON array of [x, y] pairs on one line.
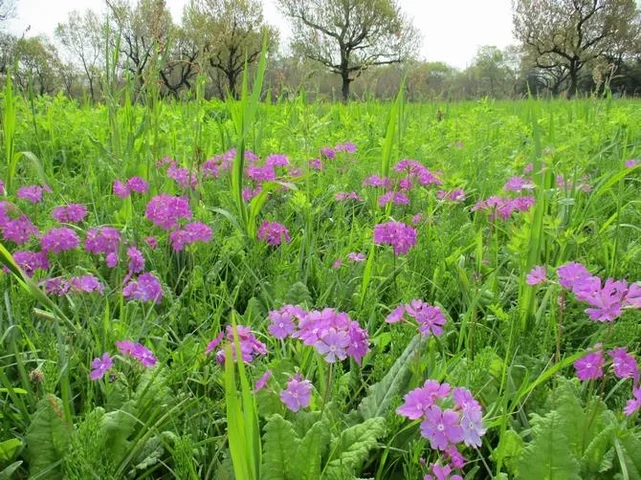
[[100, 366], [165, 211], [120, 189], [397, 198], [262, 381], [376, 181], [29, 262], [347, 147], [343, 196], [633, 297], [457, 195], [273, 233], [316, 164], [30, 193], [442, 473], [332, 345], [632, 163], [418, 401], [441, 427], [261, 174], [607, 302], [59, 240], [138, 185], [152, 242], [328, 152], [87, 284], [400, 236], [191, 233], [136, 260], [624, 364], [72, 213], [536, 276], [182, 176], [146, 288], [277, 160], [282, 321], [634, 403], [20, 230], [138, 351], [102, 240], [211, 346], [396, 315], [356, 257], [298, 393], [516, 184], [570, 273], [338, 263], [590, 367], [250, 347]]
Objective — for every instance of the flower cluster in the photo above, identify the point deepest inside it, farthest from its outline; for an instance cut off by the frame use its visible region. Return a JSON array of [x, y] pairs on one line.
[[83, 284], [190, 233], [59, 240], [134, 184], [101, 365], [456, 196], [400, 236], [397, 198], [416, 173], [376, 181], [146, 288], [183, 177], [504, 208], [105, 240], [273, 233], [607, 300], [333, 334], [29, 261], [624, 366], [430, 319], [449, 416], [343, 196], [516, 184], [165, 211], [72, 213], [277, 160], [250, 346], [30, 193], [19, 230]]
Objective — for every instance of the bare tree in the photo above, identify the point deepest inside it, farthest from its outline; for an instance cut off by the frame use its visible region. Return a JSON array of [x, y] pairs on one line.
[[231, 33], [83, 37], [561, 36], [7, 11], [349, 36]]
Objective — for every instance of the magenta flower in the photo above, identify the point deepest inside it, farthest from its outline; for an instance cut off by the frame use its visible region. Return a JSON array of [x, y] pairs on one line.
[[72, 213], [86, 284], [120, 189], [165, 211], [347, 147], [282, 321], [418, 401], [138, 351], [570, 273], [136, 260], [328, 152], [457, 195], [376, 181], [590, 367], [20, 230], [624, 364], [456, 458], [138, 185], [100, 366], [250, 347], [298, 393], [146, 288], [442, 473], [260, 174], [400, 236], [277, 160], [316, 164], [211, 346], [262, 381], [273, 233], [56, 286], [191, 233], [529, 168], [152, 242], [30, 193], [338, 263], [102, 240], [430, 319], [356, 257], [397, 198], [516, 184], [29, 262], [441, 427], [343, 196], [332, 345], [59, 240], [182, 176], [632, 163], [396, 315], [634, 403], [607, 302], [536, 276], [112, 259]]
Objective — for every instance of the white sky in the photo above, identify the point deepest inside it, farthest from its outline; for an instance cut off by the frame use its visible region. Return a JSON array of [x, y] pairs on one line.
[[452, 29]]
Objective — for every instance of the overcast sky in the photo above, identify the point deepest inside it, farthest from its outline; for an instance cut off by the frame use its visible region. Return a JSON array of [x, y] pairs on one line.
[[452, 29]]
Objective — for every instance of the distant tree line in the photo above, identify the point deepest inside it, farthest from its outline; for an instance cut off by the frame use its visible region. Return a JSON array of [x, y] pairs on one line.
[[340, 49]]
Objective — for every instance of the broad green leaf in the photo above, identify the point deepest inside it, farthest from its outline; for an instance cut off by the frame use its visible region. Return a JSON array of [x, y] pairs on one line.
[[280, 442], [8, 449], [394, 383], [307, 461], [47, 439]]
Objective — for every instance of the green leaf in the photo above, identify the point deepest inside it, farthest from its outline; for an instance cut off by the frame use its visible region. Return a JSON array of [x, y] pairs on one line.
[[298, 294], [307, 461], [380, 395], [629, 452], [549, 456], [598, 454], [509, 450], [47, 439], [280, 442], [7, 473], [352, 448], [8, 449], [116, 428]]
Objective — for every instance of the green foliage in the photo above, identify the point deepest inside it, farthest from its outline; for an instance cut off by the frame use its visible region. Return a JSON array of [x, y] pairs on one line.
[[47, 438]]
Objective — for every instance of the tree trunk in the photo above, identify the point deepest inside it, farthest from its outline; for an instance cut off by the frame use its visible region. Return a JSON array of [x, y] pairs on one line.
[[231, 80], [574, 79], [346, 83]]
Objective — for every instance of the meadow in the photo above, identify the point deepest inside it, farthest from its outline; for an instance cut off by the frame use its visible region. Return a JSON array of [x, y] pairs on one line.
[[415, 290]]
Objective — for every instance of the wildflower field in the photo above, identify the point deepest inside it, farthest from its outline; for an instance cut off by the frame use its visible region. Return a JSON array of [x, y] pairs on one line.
[[415, 290]]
